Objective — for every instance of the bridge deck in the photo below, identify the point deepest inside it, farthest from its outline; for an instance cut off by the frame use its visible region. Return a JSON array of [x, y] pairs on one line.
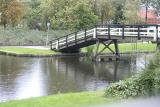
[[123, 33]]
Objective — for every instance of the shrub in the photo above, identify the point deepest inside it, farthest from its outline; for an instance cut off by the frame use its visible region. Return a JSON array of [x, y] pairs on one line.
[[146, 83], [22, 36], [90, 50]]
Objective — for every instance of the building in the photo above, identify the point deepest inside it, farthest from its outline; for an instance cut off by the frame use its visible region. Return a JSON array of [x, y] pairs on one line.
[[152, 17]]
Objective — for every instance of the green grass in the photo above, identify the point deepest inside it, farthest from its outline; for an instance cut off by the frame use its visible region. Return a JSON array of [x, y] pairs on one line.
[[125, 47], [30, 51], [139, 47], [130, 47], [63, 100]]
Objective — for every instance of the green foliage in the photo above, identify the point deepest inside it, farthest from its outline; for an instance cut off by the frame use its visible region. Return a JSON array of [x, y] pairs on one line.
[[82, 17], [145, 83], [131, 9], [11, 12], [72, 14], [19, 36], [33, 18], [119, 11], [90, 50], [156, 5]]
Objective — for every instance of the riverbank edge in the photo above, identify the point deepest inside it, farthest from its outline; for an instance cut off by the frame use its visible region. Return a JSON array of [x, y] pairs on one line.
[[65, 54], [49, 55]]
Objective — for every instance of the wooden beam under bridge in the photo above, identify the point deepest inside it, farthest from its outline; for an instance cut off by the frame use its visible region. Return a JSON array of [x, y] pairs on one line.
[[106, 43]]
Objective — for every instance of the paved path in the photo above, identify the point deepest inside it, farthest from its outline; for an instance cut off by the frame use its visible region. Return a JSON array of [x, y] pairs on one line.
[[37, 47]]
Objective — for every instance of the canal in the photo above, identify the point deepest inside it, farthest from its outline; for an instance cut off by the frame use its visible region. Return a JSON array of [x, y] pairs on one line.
[[32, 77]]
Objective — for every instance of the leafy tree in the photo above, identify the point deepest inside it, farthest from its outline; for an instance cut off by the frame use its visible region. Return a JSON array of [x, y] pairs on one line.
[[12, 12], [52, 10], [33, 18], [119, 16], [34, 3], [107, 11], [131, 10], [70, 14], [147, 4], [103, 9], [82, 16], [33, 14], [156, 5]]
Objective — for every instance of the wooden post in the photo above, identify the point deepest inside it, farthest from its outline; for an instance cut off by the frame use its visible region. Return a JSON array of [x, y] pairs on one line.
[[75, 37], [157, 41], [51, 45], [116, 47], [97, 48], [57, 44], [85, 34], [158, 47], [122, 31], [139, 38], [157, 33], [95, 33], [109, 31], [67, 41]]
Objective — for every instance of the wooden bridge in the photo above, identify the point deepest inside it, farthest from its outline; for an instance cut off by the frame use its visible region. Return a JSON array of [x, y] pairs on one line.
[[106, 35]]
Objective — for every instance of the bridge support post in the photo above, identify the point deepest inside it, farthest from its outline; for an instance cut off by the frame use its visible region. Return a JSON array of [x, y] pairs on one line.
[[116, 47], [158, 47], [97, 49], [98, 56]]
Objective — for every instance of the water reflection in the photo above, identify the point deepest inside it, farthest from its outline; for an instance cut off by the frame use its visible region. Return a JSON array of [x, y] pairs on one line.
[[32, 77]]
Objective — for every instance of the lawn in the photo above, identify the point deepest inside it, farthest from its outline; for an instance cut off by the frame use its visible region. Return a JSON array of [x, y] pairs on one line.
[[129, 47], [30, 51], [123, 48], [63, 100]]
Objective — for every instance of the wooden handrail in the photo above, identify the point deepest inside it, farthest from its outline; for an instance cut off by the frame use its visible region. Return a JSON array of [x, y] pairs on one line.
[[109, 30]]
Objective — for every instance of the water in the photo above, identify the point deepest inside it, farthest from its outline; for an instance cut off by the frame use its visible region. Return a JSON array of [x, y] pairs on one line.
[[32, 77]]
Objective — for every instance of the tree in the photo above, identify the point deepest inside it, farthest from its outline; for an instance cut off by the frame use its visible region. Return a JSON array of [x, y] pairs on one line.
[[67, 14], [33, 14], [3, 8], [156, 5], [52, 10], [82, 17], [131, 10], [147, 3], [33, 18], [119, 16], [103, 9], [12, 12]]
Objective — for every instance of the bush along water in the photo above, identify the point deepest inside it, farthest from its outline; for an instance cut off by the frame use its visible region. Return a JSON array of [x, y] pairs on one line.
[[145, 83], [89, 51]]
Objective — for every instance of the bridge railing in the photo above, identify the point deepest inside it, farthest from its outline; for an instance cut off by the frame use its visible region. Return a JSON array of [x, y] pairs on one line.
[[129, 30], [71, 38], [108, 30]]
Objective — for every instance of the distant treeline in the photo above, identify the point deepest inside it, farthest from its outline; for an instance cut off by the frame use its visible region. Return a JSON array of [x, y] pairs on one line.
[[72, 14]]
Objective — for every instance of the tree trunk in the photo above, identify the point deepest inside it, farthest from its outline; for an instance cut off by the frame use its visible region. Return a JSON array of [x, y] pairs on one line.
[[146, 17], [4, 24]]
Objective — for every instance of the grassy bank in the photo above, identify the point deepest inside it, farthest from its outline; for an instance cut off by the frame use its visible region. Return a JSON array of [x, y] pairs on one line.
[[127, 47], [123, 48], [25, 51], [63, 100]]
